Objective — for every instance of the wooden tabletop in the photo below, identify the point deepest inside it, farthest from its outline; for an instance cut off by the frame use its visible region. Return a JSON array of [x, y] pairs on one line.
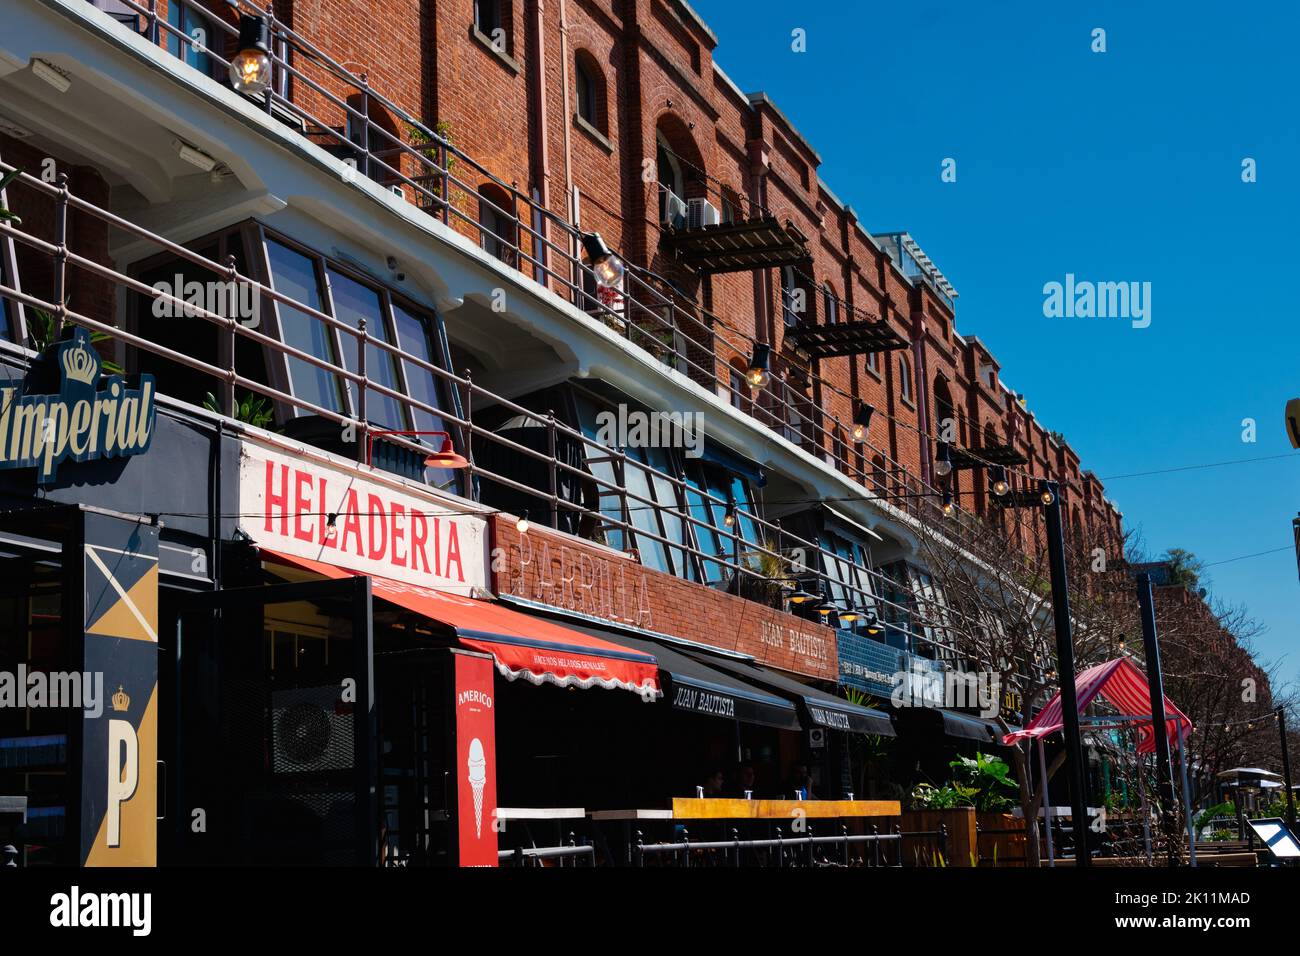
[[692, 808]]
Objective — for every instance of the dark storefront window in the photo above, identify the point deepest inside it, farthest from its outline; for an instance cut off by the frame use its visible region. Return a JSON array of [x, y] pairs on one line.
[[849, 583]]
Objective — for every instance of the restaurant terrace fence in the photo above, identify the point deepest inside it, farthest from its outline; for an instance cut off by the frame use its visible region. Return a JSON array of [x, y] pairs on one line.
[[933, 630], [343, 113], [843, 849]]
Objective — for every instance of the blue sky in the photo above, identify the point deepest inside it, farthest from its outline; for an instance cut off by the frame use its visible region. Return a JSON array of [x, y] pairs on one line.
[[1116, 166]]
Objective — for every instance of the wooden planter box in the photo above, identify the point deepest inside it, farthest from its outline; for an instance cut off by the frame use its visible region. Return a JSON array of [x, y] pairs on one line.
[[998, 848], [960, 824]]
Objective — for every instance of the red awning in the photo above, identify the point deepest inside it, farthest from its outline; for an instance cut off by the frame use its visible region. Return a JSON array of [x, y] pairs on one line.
[[523, 646]]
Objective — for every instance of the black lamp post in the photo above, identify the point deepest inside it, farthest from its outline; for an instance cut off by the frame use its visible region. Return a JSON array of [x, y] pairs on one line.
[[1286, 769], [1048, 498], [1156, 687]]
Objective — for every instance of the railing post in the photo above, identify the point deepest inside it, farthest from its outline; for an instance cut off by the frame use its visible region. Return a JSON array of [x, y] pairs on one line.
[[686, 840], [270, 34], [735, 838], [365, 125], [153, 22], [363, 422], [227, 399], [943, 840], [468, 405], [60, 257], [445, 177], [639, 851], [844, 832], [551, 446], [780, 850]]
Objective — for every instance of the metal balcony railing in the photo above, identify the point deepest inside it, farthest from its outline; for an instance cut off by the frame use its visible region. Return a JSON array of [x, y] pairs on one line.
[[742, 559], [346, 115]]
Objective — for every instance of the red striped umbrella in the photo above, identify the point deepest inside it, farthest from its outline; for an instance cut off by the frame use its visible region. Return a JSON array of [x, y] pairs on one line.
[[1124, 685]]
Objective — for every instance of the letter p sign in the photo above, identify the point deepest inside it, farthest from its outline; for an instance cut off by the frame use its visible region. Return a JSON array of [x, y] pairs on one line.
[[123, 774]]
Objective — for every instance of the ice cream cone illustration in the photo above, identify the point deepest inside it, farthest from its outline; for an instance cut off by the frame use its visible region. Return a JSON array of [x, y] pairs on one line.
[[477, 781]]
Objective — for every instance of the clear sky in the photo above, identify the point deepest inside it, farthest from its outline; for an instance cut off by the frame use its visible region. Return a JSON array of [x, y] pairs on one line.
[[1117, 166]]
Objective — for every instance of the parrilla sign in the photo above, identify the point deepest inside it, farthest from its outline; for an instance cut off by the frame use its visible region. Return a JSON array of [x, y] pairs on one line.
[[78, 422]]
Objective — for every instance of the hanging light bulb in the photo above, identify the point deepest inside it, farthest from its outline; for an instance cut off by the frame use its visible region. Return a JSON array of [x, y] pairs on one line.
[[609, 268], [729, 519], [757, 373], [862, 421], [250, 69], [999, 475], [947, 504], [1046, 497], [943, 461], [522, 524], [873, 624]]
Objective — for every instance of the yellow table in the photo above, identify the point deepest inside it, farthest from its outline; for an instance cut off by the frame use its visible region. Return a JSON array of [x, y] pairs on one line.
[[693, 808]]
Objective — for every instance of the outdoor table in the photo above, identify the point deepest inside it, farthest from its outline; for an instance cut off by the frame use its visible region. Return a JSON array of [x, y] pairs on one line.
[[627, 818], [707, 808], [556, 815]]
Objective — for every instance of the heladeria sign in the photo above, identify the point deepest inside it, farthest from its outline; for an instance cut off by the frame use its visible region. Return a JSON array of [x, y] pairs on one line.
[[311, 510], [79, 422]]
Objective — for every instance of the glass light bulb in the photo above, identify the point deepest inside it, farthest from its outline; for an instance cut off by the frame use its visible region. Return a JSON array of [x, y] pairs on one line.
[[859, 433], [1000, 488], [1046, 498], [943, 468], [609, 270], [522, 525], [250, 71], [757, 377]]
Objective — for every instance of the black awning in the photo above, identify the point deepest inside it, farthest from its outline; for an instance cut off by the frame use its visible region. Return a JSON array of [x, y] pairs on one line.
[[951, 723], [1005, 455], [762, 243], [699, 689], [864, 337], [823, 709]]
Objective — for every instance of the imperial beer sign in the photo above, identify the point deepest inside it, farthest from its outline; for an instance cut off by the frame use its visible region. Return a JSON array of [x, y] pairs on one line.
[[80, 422]]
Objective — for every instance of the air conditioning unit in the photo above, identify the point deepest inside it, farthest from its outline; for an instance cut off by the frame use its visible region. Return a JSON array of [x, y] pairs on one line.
[[311, 730], [674, 210], [701, 213]]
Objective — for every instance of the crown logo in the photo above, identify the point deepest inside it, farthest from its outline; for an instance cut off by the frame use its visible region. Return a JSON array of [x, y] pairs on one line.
[[121, 700], [80, 364]]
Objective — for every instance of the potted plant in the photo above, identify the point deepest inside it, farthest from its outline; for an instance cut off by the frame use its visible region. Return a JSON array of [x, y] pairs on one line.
[[951, 806], [1001, 836]]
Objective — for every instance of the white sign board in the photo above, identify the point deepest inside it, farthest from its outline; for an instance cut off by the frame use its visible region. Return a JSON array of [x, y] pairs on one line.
[[327, 514]]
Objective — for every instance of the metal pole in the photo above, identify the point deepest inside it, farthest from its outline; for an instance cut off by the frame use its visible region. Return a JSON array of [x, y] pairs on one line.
[[1142, 802], [1047, 804], [1286, 768], [1156, 686], [1065, 667], [1187, 796]]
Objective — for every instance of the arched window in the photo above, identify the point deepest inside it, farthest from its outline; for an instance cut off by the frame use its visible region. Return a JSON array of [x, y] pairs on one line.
[[672, 184], [795, 297], [830, 304], [945, 416], [904, 379], [591, 91], [498, 231]]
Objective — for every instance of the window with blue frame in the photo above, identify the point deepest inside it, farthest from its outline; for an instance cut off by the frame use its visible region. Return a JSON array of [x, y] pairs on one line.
[[666, 519], [844, 563], [200, 36], [921, 617]]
